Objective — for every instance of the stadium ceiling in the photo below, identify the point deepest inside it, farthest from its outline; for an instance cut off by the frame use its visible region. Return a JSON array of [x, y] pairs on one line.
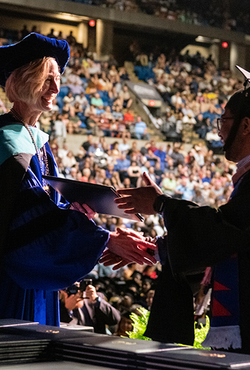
[[41, 15], [68, 12], [172, 39]]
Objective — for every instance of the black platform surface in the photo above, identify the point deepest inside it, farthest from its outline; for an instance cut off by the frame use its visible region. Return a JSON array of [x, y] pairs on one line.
[[52, 333], [112, 351], [193, 359], [23, 349], [87, 347], [23, 341], [60, 365], [38, 347], [14, 322]]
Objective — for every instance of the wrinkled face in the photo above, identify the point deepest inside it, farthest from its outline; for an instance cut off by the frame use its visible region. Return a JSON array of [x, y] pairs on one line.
[[50, 88]]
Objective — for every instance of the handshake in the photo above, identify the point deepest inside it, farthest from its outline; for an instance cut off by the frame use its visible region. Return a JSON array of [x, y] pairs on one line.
[[126, 246]]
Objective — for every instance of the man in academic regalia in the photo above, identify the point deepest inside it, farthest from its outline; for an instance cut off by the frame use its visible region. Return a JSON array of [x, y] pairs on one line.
[[202, 236]]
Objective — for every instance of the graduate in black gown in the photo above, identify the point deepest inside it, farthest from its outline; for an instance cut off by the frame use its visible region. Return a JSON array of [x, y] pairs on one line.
[[202, 236]]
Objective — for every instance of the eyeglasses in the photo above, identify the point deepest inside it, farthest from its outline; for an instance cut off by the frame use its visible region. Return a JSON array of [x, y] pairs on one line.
[[220, 122]]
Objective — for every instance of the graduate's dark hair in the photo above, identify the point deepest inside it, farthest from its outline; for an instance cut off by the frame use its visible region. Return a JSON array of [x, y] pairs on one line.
[[239, 105]]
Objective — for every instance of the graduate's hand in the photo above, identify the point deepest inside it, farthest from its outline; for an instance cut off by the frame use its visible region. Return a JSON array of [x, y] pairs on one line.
[[83, 208], [139, 200], [131, 246]]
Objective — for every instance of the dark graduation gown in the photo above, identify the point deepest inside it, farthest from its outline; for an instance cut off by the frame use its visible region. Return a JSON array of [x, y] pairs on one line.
[[199, 237], [44, 246]]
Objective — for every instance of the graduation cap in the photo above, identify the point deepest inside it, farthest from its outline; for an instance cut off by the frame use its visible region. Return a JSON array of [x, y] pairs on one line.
[[30, 48], [246, 75]]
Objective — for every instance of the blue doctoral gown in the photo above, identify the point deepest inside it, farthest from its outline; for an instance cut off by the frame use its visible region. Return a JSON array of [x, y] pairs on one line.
[[44, 246]]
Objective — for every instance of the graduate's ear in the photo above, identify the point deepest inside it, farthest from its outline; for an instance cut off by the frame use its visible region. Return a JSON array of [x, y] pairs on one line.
[[246, 125]]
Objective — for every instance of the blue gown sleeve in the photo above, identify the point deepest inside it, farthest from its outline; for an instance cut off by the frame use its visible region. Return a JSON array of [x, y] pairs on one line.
[[50, 248]]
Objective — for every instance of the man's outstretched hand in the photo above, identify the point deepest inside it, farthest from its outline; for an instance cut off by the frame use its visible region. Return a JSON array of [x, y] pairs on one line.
[[139, 200]]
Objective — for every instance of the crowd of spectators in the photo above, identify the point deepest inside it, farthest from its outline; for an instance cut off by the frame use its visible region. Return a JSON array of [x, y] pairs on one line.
[[94, 96], [194, 90], [180, 173], [228, 14], [94, 99], [111, 298]]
